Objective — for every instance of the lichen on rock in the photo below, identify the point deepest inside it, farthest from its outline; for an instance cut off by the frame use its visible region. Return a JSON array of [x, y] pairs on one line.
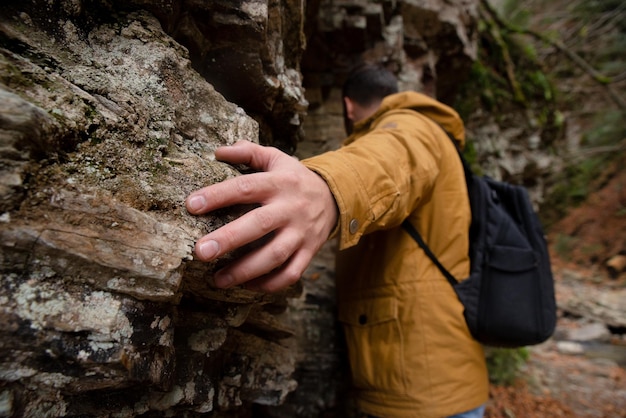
[[105, 129]]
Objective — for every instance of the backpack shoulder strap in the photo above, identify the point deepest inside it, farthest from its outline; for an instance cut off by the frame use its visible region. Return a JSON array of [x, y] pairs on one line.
[[408, 227]]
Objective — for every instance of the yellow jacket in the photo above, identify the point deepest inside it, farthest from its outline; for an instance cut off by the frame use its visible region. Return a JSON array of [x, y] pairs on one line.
[[411, 354]]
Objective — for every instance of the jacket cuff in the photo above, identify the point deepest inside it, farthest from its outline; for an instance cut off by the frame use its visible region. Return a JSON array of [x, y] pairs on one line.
[[350, 195]]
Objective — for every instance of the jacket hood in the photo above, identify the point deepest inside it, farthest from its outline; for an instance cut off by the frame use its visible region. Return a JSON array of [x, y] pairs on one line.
[[444, 115]]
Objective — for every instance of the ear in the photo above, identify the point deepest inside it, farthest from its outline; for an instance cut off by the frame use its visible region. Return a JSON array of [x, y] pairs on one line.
[[349, 105]]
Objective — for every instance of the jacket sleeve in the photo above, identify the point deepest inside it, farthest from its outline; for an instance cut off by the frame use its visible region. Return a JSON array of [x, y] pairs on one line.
[[382, 176]]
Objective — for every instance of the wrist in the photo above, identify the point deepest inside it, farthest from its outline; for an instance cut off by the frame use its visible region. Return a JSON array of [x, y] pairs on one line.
[[330, 210]]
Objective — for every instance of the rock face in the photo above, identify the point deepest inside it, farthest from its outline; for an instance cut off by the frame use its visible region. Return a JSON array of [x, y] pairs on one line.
[[104, 132], [109, 115]]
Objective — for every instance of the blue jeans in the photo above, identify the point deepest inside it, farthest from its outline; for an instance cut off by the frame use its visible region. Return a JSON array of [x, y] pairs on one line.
[[474, 413]]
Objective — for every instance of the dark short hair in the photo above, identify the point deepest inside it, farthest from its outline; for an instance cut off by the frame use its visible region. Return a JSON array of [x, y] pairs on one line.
[[368, 83]]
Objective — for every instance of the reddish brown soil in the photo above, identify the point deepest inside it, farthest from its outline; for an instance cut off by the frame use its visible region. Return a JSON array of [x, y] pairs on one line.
[[557, 385], [595, 231]]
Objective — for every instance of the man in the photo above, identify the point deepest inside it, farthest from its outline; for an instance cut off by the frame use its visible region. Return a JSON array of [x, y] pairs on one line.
[[410, 351]]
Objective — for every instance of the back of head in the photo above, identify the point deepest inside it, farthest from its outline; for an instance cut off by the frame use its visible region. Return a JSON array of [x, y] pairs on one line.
[[369, 83]]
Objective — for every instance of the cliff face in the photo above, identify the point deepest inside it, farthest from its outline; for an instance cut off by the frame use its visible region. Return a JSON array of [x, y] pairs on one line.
[[109, 115], [430, 45]]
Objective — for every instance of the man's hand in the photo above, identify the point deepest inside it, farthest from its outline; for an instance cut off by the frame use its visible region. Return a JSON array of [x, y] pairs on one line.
[[296, 205]]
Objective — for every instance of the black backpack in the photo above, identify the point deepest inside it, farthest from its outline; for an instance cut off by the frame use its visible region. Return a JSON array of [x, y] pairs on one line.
[[509, 294]]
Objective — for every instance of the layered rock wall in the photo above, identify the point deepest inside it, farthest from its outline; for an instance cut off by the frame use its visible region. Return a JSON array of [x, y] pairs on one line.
[[105, 129]]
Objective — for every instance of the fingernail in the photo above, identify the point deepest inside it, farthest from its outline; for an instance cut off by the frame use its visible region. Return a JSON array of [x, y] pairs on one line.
[[208, 249], [223, 280], [196, 202]]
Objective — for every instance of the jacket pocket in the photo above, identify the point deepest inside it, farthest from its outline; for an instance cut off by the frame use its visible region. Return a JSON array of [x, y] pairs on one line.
[[375, 346]]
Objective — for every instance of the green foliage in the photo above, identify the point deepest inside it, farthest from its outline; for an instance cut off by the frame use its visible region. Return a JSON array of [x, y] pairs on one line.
[[485, 89], [592, 7], [515, 14], [564, 245], [539, 80], [471, 156], [504, 364], [608, 129], [572, 185], [508, 76], [603, 28], [593, 250]]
